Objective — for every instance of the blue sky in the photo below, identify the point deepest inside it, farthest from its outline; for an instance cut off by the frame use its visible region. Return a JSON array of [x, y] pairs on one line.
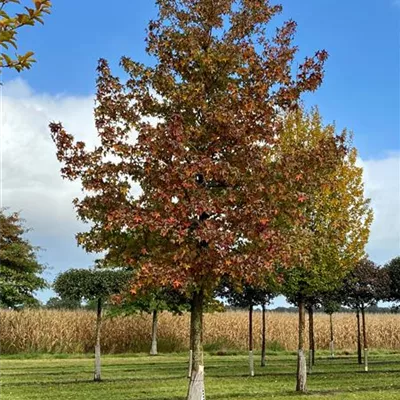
[[360, 91]]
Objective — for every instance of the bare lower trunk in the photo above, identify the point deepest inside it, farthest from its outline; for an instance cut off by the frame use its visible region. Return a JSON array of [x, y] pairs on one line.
[[196, 384], [191, 345], [190, 363], [263, 330], [365, 339], [97, 354], [359, 356], [301, 359], [332, 343], [251, 358], [153, 350], [311, 338]]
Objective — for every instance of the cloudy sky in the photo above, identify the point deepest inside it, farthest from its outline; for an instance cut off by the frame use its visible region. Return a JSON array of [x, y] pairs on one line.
[[360, 92]]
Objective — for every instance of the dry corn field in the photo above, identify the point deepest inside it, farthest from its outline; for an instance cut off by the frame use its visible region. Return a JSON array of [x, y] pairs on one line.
[[73, 331]]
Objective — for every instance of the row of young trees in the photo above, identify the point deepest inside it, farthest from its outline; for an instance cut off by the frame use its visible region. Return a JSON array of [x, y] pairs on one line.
[[362, 288]]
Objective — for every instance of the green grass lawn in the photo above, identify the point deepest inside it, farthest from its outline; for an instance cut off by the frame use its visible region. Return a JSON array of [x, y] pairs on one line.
[[143, 377]]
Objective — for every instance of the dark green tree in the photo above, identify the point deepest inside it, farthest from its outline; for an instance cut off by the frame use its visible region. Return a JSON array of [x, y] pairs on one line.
[[331, 302], [249, 296], [152, 301], [364, 286], [57, 303], [19, 266], [392, 269], [92, 284]]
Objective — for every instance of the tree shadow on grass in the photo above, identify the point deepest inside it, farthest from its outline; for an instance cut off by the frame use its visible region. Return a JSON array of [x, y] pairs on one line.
[[310, 393], [91, 381]]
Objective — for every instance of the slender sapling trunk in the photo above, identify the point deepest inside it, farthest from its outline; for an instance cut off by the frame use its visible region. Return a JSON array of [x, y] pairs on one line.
[[301, 359], [313, 336], [263, 330], [365, 339], [97, 353], [153, 350], [311, 360], [359, 355], [251, 358], [332, 343], [191, 346]]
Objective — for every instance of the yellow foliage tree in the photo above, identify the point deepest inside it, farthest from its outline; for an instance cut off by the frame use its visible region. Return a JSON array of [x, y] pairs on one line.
[[336, 219]]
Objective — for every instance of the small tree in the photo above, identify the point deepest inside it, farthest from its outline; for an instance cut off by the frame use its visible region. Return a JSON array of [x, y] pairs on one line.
[[10, 24], [331, 303], [247, 296], [99, 285], [57, 303], [152, 302], [364, 287], [19, 267], [392, 269]]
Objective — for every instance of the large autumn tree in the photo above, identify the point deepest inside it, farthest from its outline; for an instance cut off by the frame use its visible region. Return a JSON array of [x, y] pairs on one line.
[[20, 269], [206, 118], [15, 15]]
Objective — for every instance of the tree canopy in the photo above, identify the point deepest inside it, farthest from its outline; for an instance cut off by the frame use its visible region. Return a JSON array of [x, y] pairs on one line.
[[365, 285], [392, 268], [19, 267], [337, 217], [91, 284], [210, 180]]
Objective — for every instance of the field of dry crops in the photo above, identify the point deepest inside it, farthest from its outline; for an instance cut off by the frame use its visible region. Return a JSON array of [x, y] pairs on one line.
[[73, 331]]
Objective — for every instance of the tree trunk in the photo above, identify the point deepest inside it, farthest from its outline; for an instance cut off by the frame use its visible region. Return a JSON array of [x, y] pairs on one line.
[[251, 359], [311, 338], [301, 359], [196, 384], [191, 346], [263, 329], [365, 339], [97, 363], [332, 344], [359, 356], [153, 350]]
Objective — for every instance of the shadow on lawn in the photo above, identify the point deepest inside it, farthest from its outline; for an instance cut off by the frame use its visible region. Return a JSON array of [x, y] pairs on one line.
[[91, 381], [183, 377], [293, 393]]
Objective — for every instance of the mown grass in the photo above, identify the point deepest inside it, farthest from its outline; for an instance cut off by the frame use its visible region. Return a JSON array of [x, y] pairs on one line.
[[133, 377]]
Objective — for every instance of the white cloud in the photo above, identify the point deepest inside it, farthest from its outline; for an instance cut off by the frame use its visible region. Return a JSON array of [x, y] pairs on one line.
[[32, 181], [31, 177], [382, 186]]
